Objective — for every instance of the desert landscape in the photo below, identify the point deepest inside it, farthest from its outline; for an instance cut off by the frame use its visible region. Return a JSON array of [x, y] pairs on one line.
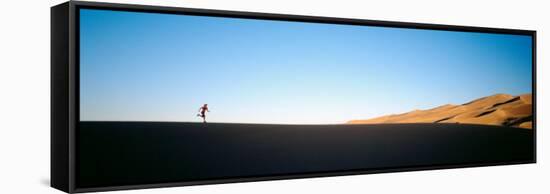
[[499, 109], [490, 130]]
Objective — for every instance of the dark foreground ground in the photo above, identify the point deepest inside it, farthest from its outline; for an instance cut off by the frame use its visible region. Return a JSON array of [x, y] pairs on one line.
[[124, 153]]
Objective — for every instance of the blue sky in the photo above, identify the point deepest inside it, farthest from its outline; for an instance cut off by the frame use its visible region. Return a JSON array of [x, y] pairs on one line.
[[162, 67]]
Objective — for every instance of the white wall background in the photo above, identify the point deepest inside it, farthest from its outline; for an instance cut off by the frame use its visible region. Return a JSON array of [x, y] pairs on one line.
[[25, 95]]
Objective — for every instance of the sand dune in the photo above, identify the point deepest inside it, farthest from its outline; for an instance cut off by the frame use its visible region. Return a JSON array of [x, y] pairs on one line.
[[126, 153], [499, 109]]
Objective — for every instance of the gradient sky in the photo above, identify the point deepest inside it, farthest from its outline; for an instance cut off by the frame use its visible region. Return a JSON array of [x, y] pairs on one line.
[[161, 67]]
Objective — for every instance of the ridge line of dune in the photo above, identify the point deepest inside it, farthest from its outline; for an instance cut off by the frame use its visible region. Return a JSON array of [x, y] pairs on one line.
[[499, 109]]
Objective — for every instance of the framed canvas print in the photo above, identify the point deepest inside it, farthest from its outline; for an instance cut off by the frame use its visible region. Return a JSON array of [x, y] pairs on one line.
[[147, 96]]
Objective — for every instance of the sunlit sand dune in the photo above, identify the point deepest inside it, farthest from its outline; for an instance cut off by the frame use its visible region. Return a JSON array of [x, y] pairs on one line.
[[499, 109]]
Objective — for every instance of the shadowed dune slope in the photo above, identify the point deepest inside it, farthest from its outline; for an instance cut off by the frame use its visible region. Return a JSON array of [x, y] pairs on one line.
[[126, 153], [499, 109]]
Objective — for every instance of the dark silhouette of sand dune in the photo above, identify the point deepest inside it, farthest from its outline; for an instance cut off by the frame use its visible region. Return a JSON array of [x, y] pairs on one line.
[[124, 153], [499, 109]]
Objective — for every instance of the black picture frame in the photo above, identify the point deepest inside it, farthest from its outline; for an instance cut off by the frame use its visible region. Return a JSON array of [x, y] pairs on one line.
[[65, 87]]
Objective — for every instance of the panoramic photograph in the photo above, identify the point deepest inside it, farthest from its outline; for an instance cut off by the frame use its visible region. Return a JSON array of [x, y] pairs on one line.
[[169, 98]]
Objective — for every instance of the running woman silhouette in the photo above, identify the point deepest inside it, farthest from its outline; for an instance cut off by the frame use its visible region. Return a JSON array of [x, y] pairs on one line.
[[202, 111]]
